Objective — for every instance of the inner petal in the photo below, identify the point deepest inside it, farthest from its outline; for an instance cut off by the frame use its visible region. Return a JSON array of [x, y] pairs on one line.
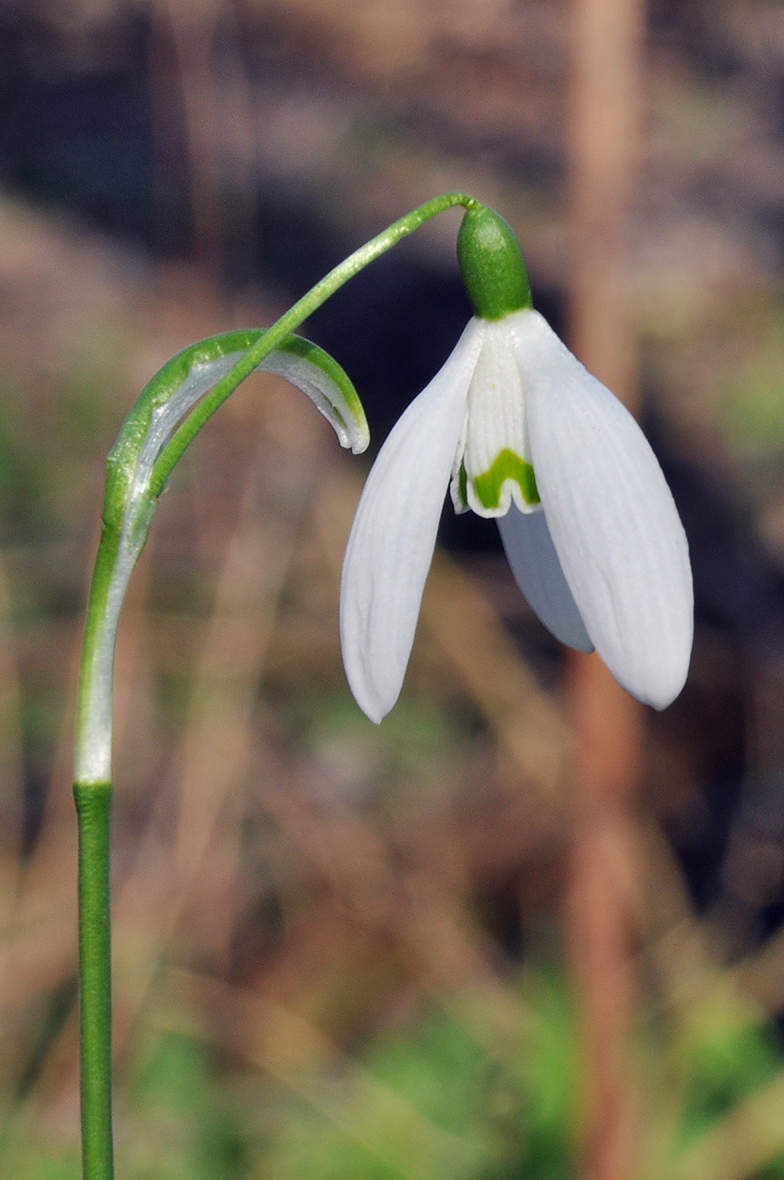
[[497, 457], [537, 571]]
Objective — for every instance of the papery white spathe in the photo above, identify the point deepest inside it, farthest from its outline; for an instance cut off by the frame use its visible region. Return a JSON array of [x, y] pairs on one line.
[[603, 560]]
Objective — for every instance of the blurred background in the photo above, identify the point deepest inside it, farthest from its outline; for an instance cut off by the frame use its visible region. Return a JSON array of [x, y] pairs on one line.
[[524, 928]]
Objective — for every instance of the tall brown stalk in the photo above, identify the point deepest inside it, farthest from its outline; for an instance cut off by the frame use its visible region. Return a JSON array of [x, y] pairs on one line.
[[604, 97]]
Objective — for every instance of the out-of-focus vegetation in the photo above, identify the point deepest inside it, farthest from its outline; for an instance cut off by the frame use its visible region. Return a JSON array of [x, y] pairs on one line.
[[339, 949]]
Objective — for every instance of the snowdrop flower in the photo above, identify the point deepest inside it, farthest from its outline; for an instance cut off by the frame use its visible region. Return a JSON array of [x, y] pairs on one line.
[[526, 435]]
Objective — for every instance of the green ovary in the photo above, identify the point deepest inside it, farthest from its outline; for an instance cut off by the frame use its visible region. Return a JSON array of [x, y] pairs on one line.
[[506, 465]]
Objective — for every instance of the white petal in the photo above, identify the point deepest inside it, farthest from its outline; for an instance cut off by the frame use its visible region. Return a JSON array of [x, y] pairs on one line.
[[611, 516], [537, 571], [394, 532]]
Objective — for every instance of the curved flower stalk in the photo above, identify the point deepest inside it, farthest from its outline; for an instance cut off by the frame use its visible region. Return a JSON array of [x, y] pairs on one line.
[[520, 431], [166, 418]]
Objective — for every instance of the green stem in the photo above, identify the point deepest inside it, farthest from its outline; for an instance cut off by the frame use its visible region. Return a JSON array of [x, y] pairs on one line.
[[93, 804], [291, 320]]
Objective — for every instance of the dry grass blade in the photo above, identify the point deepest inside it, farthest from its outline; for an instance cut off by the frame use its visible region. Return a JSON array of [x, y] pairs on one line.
[[291, 1050], [761, 976], [442, 946], [744, 1141]]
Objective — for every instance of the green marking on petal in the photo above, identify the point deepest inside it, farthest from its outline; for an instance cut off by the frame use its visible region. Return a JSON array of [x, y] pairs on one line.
[[506, 465]]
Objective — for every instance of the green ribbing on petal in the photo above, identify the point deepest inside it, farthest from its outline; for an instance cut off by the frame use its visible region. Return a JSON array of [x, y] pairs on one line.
[[506, 465], [492, 265]]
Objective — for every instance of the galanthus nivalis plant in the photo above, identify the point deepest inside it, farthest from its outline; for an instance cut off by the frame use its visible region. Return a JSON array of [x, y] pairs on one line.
[[169, 413], [525, 434]]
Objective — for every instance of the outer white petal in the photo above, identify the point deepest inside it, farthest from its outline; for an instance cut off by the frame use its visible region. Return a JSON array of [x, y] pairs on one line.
[[537, 571], [394, 532], [611, 516]]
